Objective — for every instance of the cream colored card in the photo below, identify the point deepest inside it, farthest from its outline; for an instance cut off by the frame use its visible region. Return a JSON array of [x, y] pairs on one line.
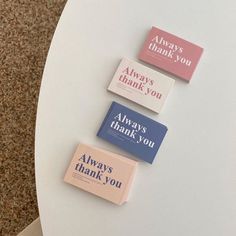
[[140, 84]]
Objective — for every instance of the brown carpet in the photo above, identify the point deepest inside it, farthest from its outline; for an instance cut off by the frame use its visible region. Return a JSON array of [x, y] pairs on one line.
[[26, 30]]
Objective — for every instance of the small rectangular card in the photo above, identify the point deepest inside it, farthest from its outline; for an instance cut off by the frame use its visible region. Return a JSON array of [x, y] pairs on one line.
[[170, 53], [103, 173], [141, 84], [132, 131]]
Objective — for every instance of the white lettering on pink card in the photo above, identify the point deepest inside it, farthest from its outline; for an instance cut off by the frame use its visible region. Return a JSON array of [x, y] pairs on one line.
[[170, 53]]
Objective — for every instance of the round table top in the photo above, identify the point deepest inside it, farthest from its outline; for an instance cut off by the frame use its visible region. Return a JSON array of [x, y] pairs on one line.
[[190, 188]]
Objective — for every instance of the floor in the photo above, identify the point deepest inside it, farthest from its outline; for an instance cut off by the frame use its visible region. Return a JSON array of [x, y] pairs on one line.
[[26, 30]]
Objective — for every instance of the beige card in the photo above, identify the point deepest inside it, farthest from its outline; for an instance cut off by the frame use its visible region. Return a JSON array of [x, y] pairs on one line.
[[103, 173]]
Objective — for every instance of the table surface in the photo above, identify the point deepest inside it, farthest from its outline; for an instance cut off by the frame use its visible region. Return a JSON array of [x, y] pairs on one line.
[[191, 187]]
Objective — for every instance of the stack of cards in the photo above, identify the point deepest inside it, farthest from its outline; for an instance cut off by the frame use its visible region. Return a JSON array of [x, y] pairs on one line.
[[102, 173], [132, 131], [109, 175]]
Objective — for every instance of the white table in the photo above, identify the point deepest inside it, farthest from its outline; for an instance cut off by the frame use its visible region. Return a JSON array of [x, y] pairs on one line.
[[191, 187]]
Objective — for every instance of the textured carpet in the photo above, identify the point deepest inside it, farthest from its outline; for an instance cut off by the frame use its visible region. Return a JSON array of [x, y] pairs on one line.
[[26, 30]]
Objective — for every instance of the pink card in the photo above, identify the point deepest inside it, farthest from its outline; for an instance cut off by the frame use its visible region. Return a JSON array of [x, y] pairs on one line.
[[170, 53], [140, 84], [103, 173]]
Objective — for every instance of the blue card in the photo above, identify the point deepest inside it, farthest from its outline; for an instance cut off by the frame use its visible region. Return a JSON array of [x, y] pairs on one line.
[[132, 131]]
